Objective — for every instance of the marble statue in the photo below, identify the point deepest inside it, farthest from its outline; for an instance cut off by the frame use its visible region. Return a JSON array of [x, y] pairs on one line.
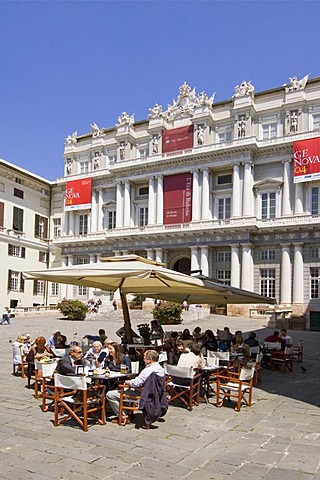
[[96, 161], [293, 122], [156, 111], [122, 151], [295, 84], [200, 135], [71, 139], [246, 88], [124, 119], [69, 166], [242, 127], [155, 144], [96, 131]]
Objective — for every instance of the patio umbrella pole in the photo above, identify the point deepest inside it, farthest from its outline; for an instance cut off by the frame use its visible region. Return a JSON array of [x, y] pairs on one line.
[[126, 317]]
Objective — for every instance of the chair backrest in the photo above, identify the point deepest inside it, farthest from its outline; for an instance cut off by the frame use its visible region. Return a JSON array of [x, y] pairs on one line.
[[163, 357], [221, 355], [254, 350], [182, 372], [273, 345], [70, 382], [259, 357], [135, 367], [246, 374], [17, 349], [288, 350], [213, 361]]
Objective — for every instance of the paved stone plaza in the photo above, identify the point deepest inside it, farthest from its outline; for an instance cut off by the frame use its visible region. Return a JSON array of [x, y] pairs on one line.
[[277, 438]]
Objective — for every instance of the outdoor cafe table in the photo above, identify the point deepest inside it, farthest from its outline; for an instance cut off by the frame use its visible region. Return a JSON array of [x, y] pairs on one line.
[[206, 373]]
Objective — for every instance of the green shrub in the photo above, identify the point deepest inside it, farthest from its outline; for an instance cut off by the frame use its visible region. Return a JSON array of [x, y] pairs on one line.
[[73, 309], [167, 313]]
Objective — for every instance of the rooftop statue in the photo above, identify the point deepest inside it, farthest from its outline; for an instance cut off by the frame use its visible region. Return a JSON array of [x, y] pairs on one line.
[[71, 139], [186, 102], [96, 131], [296, 84], [124, 119], [246, 88], [156, 111]]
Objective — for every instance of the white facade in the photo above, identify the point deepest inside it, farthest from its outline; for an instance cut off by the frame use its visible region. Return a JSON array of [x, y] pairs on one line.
[[250, 226]]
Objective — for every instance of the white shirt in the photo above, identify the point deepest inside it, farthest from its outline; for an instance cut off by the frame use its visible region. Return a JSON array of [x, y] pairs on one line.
[[139, 381], [190, 359]]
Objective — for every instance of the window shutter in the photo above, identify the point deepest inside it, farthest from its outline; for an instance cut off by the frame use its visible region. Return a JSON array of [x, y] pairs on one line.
[[1, 214], [36, 226], [9, 249], [21, 283], [45, 228], [9, 279], [35, 285], [17, 219], [23, 252]]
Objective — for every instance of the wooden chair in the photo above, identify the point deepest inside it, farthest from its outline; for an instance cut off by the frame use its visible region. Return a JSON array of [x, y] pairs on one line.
[[282, 360], [43, 375], [257, 369], [184, 385], [236, 386], [224, 357], [70, 404], [297, 352], [19, 367], [128, 403]]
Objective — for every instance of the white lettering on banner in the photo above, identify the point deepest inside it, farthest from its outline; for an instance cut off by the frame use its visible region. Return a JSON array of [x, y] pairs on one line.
[[70, 194]]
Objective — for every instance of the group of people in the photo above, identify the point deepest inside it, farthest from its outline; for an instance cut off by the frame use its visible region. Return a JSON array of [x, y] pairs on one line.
[[93, 305]]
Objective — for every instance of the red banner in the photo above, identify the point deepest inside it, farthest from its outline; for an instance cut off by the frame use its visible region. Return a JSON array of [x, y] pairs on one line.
[[306, 159], [177, 198], [177, 139], [78, 194]]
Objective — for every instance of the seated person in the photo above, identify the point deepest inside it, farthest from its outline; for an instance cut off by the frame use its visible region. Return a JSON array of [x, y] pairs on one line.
[[186, 338], [61, 342], [152, 366], [39, 351], [101, 337], [156, 331], [194, 358], [53, 340], [113, 358], [93, 354], [197, 335], [275, 338], [241, 347], [122, 334], [209, 341], [18, 349], [174, 354], [285, 337], [67, 364], [252, 340]]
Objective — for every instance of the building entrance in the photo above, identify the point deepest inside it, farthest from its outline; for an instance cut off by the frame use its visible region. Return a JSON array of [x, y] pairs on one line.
[[315, 321], [183, 265]]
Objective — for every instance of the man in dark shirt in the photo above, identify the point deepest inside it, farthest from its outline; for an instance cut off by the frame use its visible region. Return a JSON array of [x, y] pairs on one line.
[[67, 364]]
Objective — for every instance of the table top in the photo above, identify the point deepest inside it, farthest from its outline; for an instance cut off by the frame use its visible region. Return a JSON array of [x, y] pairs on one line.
[[140, 346], [112, 375]]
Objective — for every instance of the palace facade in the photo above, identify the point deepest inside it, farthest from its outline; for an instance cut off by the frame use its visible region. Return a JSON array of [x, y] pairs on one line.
[[229, 189]]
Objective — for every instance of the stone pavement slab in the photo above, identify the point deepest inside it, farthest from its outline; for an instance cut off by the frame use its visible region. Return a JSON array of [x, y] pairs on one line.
[[278, 437]]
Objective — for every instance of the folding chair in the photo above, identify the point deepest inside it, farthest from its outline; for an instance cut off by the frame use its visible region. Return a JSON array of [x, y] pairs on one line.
[[282, 360], [19, 367], [43, 375], [297, 352], [237, 386], [69, 406], [224, 357], [257, 369], [184, 385], [128, 404]]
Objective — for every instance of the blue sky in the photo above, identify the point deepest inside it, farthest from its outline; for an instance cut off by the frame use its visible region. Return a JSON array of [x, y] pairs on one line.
[[65, 65]]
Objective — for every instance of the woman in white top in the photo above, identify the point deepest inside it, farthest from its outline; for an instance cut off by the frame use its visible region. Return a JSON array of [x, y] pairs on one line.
[[193, 358]]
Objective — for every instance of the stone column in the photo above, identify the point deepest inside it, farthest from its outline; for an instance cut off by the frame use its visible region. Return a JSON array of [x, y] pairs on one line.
[[72, 223], [151, 202], [298, 274], [286, 206], [93, 223], [285, 280], [158, 254], [150, 254], [100, 211], [65, 223], [205, 213], [62, 286], [204, 260], [247, 268], [298, 199], [160, 201], [127, 205], [247, 190], [119, 207], [235, 266], [236, 199], [194, 258], [195, 197], [69, 289]]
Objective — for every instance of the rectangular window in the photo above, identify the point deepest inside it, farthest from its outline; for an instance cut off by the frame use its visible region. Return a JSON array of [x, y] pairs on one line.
[[38, 287], [15, 281], [18, 193], [82, 291], [18, 180], [17, 223], [144, 151], [225, 136], [43, 256], [224, 276], [314, 253], [2, 187], [316, 121], [143, 191], [16, 251], [314, 201], [143, 216], [268, 282], [57, 227], [55, 289], [224, 257], [314, 282], [224, 179], [84, 167], [224, 208], [268, 205], [83, 224], [112, 155], [82, 260], [112, 219], [267, 254], [269, 130], [40, 227]]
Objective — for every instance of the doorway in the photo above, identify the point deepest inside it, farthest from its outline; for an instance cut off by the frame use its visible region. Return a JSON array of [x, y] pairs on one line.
[[183, 265], [315, 321]]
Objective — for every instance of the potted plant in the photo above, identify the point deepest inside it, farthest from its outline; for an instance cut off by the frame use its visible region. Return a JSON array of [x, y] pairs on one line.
[[73, 309], [167, 313], [145, 332], [136, 303]]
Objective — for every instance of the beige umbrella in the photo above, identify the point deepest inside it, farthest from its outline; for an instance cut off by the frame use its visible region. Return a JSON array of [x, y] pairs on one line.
[[139, 276]]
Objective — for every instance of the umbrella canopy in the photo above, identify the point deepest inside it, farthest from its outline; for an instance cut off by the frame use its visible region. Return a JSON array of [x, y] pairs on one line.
[[139, 276]]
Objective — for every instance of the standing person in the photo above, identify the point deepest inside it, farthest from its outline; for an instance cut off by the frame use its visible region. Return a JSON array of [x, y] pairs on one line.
[[151, 358], [5, 316]]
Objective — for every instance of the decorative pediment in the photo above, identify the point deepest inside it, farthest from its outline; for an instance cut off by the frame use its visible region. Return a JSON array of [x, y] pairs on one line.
[[268, 183]]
